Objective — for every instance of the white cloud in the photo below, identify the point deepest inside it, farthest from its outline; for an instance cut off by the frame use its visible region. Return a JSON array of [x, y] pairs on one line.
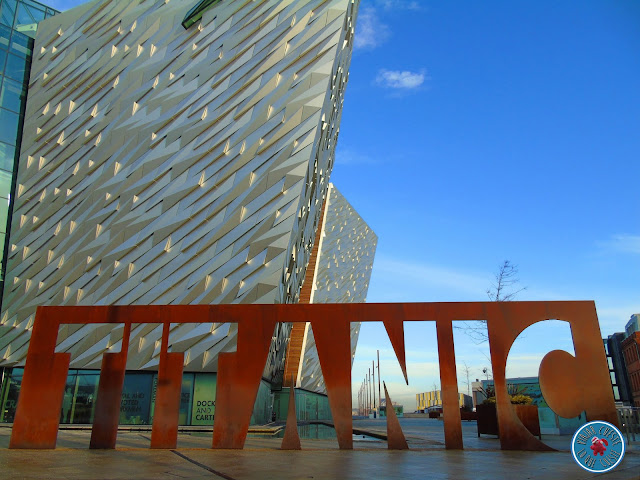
[[421, 277], [370, 31], [621, 313], [400, 5], [613, 315], [402, 80], [351, 157], [625, 243]]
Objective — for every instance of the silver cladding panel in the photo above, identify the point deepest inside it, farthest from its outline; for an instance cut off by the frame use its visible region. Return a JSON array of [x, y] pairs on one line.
[[343, 271]]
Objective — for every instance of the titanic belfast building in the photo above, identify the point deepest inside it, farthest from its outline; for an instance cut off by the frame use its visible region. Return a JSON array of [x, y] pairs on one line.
[[180, 153]]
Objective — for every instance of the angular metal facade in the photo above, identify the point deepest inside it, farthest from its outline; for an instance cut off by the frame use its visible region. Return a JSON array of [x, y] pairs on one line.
[[163, 165], [18, 25], [343, 271]]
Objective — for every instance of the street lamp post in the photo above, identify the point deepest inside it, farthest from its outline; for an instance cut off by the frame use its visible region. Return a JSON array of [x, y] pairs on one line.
[[373, 366], [379, 394]]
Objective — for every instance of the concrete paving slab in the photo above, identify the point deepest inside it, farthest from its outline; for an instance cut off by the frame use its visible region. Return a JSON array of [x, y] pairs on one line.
[[260, 463], [319, 459]]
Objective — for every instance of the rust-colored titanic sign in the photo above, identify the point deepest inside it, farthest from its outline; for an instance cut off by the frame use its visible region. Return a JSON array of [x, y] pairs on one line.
[[569, 384]]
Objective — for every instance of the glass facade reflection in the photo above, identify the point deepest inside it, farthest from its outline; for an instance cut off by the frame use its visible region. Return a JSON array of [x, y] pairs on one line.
[[79, 396], [186, 397], [197, 402], [18, 24], [309, 405], [10, 391], [135, 405], [204, 395]]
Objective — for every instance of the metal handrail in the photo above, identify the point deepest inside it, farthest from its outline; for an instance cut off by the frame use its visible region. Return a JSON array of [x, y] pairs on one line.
[[629, 421]]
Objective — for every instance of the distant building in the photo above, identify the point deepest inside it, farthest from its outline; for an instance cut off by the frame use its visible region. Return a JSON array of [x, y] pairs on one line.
[[465, 401], [433, 400], [633, 325], [631, 354], [617, 368], [477, 393], [399, 409]]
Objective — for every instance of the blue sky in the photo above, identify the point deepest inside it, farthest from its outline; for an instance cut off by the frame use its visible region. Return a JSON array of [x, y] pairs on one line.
[[475, 132]]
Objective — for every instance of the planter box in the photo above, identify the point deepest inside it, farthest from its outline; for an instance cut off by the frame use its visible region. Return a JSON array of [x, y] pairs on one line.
[[469, 416], [488, 419], [528, 415]]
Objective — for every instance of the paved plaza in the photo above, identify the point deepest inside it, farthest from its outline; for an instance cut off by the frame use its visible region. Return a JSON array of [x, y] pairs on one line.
[[319, 459]]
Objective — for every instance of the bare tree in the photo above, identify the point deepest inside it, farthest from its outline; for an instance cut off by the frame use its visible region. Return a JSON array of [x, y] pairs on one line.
[[506, 283], [505, 288], [466, 371]]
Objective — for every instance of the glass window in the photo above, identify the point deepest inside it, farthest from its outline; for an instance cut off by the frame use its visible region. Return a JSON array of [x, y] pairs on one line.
[[7, 153], [10, 395], [204, 399], [8, 12], [28, 29], [67, 398], [8, 126], [5, 186], [28, 14], [136, 399], [16, 67], [5, 35], [186, 396], [4, 211], [610, 362], [12, 94], [3, 55], [31, 3], [86, 391], [22, 44], [2, 237]]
